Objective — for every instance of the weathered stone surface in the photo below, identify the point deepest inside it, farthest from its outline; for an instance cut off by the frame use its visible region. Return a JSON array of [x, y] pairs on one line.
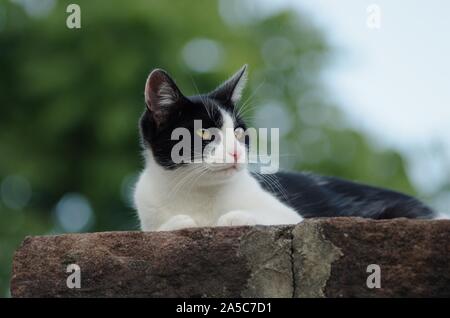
[[267, 251], [317, 258], [414, 257], [313, 257]]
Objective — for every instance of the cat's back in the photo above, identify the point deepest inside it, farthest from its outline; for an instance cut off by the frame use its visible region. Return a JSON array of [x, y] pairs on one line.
[[313, 195]]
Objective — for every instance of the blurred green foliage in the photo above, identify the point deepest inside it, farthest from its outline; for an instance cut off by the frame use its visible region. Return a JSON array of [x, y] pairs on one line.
[[70, 101]]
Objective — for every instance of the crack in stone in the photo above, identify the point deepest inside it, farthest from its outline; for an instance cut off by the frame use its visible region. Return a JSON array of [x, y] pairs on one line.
[[293, 271], [290, 261]]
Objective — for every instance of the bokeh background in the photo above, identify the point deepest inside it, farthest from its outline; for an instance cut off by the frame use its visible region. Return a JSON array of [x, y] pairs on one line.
[[350, 101]]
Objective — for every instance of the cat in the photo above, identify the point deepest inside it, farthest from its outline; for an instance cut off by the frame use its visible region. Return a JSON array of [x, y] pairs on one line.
[[174, 194]]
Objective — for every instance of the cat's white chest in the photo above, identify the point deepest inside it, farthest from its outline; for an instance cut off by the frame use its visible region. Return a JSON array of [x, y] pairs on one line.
[[241, 202], [200, 206], [157, 201]]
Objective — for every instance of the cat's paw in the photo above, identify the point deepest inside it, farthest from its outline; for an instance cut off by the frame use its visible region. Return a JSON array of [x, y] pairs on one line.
[[178, 222], [236, 218]]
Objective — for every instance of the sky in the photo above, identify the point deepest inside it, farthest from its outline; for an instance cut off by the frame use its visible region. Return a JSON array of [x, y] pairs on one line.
[[392, 82]]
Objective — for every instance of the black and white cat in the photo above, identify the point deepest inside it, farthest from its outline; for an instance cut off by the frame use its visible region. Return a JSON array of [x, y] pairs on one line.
[[172, 195]]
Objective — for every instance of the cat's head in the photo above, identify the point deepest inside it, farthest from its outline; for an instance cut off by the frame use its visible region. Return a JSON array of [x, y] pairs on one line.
[[204, 133]]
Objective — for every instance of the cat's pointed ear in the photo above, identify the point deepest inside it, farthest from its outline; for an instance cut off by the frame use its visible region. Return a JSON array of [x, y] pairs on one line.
[[161, 94], [231, 89]]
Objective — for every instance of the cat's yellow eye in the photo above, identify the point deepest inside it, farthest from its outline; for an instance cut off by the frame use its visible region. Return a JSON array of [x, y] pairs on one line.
[[239, 133], [204, 134]]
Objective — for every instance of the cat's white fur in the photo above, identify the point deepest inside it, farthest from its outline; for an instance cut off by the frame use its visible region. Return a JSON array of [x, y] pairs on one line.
[[210, 195]]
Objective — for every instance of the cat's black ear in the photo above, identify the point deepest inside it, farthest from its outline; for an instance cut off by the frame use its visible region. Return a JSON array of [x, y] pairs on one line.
[[231, 89], [161, 94]]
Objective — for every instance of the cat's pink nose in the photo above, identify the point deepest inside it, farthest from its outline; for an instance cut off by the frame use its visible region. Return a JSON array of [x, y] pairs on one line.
[[235, 155]]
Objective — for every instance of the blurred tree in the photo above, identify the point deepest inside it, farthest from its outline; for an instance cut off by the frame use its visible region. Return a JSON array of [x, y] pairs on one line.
[[70, 100]]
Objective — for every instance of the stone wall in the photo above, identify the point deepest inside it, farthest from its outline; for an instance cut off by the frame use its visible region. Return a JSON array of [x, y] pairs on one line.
[[316, 258]]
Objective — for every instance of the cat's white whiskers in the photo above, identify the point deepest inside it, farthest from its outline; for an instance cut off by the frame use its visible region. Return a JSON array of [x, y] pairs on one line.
[[203, 100], [253, 94], [179, 182]]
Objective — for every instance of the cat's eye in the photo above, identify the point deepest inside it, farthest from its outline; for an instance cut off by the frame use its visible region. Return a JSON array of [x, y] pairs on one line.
[[204, 134], [239, 133]]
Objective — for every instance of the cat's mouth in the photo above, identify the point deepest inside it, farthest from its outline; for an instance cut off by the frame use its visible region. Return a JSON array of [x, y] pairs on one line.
[[228, 168]]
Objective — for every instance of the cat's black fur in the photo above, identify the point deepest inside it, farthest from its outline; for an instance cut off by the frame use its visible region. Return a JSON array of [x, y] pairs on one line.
[[318, 196]]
